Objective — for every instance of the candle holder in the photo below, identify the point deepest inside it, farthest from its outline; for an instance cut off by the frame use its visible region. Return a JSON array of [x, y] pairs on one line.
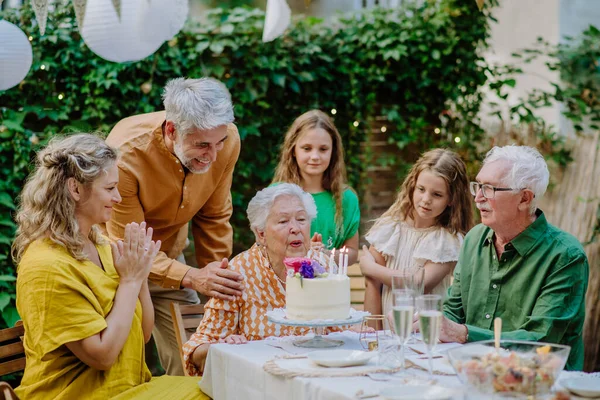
[[372, 328]]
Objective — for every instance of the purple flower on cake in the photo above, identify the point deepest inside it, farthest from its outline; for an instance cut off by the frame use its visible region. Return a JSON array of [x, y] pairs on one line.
[[304, 267], [318, 268], [306, 270]]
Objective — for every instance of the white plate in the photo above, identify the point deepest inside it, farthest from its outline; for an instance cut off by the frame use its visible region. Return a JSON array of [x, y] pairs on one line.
[[584, 386], [340, 358], [416, 392]]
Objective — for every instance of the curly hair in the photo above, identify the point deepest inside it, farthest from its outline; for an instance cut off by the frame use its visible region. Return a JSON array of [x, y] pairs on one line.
[[46, 207], [458, 216], [334, 177]]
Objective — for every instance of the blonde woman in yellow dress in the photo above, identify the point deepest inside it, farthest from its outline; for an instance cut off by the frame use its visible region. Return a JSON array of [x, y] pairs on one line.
[[84, 301]]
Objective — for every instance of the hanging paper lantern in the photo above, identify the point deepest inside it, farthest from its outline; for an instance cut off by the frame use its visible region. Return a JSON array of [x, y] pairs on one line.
[[277, 19], [15, 55], [164, 19], [118, 39]]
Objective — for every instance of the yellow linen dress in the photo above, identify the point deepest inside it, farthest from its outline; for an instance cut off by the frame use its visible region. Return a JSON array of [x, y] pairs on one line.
[[61, 300]]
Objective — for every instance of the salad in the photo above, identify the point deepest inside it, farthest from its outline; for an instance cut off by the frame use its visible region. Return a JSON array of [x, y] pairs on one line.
[[509, 371]]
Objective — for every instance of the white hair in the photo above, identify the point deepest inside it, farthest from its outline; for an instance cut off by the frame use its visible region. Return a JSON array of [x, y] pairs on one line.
[[203, 104], [260, 206], [528, 169]]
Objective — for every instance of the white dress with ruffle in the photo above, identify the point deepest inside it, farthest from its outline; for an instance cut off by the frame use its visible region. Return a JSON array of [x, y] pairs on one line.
[[404, 246]]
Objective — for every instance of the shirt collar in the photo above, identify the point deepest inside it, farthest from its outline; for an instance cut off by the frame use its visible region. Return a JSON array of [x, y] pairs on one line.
[[526, 239]]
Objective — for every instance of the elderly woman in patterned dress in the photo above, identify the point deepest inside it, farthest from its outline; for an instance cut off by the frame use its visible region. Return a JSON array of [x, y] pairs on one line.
[[280, 217]]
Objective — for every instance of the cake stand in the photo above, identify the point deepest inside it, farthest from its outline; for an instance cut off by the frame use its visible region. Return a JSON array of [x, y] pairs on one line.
[[278, 316]]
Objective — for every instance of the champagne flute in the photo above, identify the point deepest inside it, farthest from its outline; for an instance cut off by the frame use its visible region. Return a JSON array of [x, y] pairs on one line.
[[402, 312], [430, 321], [411, 278]]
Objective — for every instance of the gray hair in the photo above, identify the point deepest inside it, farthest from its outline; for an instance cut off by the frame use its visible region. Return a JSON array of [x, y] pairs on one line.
[[260, 206], [528, 169], [203, 104]]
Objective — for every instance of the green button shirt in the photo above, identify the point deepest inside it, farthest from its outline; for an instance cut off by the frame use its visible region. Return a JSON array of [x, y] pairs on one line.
[[537, 287]]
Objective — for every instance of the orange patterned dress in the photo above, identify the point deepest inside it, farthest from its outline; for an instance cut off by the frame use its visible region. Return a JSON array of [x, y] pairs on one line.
[[246, 315]]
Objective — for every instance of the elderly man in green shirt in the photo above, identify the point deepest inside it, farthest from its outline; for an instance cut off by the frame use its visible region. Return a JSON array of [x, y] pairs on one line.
[[515, 265]]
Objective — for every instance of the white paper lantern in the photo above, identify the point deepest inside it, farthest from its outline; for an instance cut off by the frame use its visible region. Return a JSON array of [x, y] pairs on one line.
[[118, 40], [164, 19], [277, 19], [15, 55]]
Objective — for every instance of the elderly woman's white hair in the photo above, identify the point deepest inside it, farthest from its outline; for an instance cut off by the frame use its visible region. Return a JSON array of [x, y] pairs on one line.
[[260, 206], [203, 104], [528, 169]]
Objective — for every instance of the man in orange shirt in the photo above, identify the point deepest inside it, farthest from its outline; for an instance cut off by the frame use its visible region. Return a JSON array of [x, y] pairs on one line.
[[176, 166]]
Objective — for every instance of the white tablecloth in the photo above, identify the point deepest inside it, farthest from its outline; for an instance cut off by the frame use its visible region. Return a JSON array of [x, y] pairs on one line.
[[235, 372]]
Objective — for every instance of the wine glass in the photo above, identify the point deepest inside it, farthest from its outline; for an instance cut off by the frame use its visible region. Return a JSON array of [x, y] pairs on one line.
[[411, 278], [429, 307], [402, 312]]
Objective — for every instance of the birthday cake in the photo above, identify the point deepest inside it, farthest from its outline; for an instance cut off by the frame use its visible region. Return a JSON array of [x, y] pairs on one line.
[[312, 293]]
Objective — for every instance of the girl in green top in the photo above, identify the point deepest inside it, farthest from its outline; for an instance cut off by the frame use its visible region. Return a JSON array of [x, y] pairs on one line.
[[312, 156]]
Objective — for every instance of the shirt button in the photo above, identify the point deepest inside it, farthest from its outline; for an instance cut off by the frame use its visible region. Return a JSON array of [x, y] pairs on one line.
[[492, 256], [182, 171], [494, 286], [487, 316], [177, 161], [185, 187], [181, 206], [172, 287]]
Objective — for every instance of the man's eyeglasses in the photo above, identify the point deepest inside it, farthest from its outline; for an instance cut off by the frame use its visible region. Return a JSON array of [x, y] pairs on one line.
[[488, 191]]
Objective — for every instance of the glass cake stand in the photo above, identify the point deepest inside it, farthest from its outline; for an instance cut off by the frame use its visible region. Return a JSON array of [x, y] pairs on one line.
[[278, 316]]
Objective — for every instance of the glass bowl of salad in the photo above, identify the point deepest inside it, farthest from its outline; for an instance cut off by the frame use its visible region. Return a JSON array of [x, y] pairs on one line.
[[517, 368]]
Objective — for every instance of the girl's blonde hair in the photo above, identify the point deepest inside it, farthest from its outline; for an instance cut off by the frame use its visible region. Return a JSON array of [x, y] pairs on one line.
[[46, 208], [458, 216], [334, 177]]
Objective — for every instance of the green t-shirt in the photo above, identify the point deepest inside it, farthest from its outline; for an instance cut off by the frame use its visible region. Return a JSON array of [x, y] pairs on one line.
[[324, 223], [537, 287]]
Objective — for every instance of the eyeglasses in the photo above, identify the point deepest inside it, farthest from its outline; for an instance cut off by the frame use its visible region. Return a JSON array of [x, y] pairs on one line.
[[488, 191]]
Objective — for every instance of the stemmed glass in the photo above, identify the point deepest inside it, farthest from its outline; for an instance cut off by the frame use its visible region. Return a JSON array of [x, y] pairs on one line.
[[429, 307], [402, 312], [412, 278]]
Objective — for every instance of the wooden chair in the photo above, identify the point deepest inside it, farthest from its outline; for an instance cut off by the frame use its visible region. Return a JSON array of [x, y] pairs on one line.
[[12, 356], [186, 319]]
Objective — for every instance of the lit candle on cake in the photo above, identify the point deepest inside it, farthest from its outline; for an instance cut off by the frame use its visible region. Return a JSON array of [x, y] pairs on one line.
[[331, 261], [341, 261], [346, 261]]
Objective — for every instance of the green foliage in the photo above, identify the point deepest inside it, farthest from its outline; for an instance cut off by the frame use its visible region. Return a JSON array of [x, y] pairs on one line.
[[420, 66]]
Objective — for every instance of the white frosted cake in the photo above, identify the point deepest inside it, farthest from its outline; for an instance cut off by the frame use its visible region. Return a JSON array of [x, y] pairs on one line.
[[312, 293]]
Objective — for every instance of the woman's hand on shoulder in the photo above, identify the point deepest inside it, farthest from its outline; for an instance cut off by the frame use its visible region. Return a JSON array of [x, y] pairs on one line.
[[234, 339], [134, 255]]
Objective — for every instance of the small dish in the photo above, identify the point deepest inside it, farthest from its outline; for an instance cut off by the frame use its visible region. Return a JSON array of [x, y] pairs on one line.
[[584, 386], [340, 357], [416, 392]]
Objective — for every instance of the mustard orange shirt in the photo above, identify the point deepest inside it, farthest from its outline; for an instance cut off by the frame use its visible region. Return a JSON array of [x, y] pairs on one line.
[[156, 188]]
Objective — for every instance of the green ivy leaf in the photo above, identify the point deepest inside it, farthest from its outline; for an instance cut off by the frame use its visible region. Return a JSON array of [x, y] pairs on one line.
[[7, 201]]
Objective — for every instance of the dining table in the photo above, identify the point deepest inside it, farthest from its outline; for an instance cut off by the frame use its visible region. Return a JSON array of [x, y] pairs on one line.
[[242, 372]]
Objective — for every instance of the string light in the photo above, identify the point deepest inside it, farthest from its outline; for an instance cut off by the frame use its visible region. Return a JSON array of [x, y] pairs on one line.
[[30, 38], [42, 66], [333, 111], [355, 123], [457, 139], [437, 131], [383, 129], [61, 96]]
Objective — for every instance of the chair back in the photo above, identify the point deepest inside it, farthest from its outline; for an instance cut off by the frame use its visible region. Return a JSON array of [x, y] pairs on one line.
[[186, 319], [12, 352]]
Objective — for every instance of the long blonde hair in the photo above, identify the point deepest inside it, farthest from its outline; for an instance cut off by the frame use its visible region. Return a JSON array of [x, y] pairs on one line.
[[46, 208], [458, 216], [334, 177]]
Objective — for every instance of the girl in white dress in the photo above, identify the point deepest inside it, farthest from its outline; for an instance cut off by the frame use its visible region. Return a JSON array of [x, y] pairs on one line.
[[424, 227]]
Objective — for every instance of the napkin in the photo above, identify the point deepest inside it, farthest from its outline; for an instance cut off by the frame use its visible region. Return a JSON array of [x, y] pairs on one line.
[[441, 364]]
